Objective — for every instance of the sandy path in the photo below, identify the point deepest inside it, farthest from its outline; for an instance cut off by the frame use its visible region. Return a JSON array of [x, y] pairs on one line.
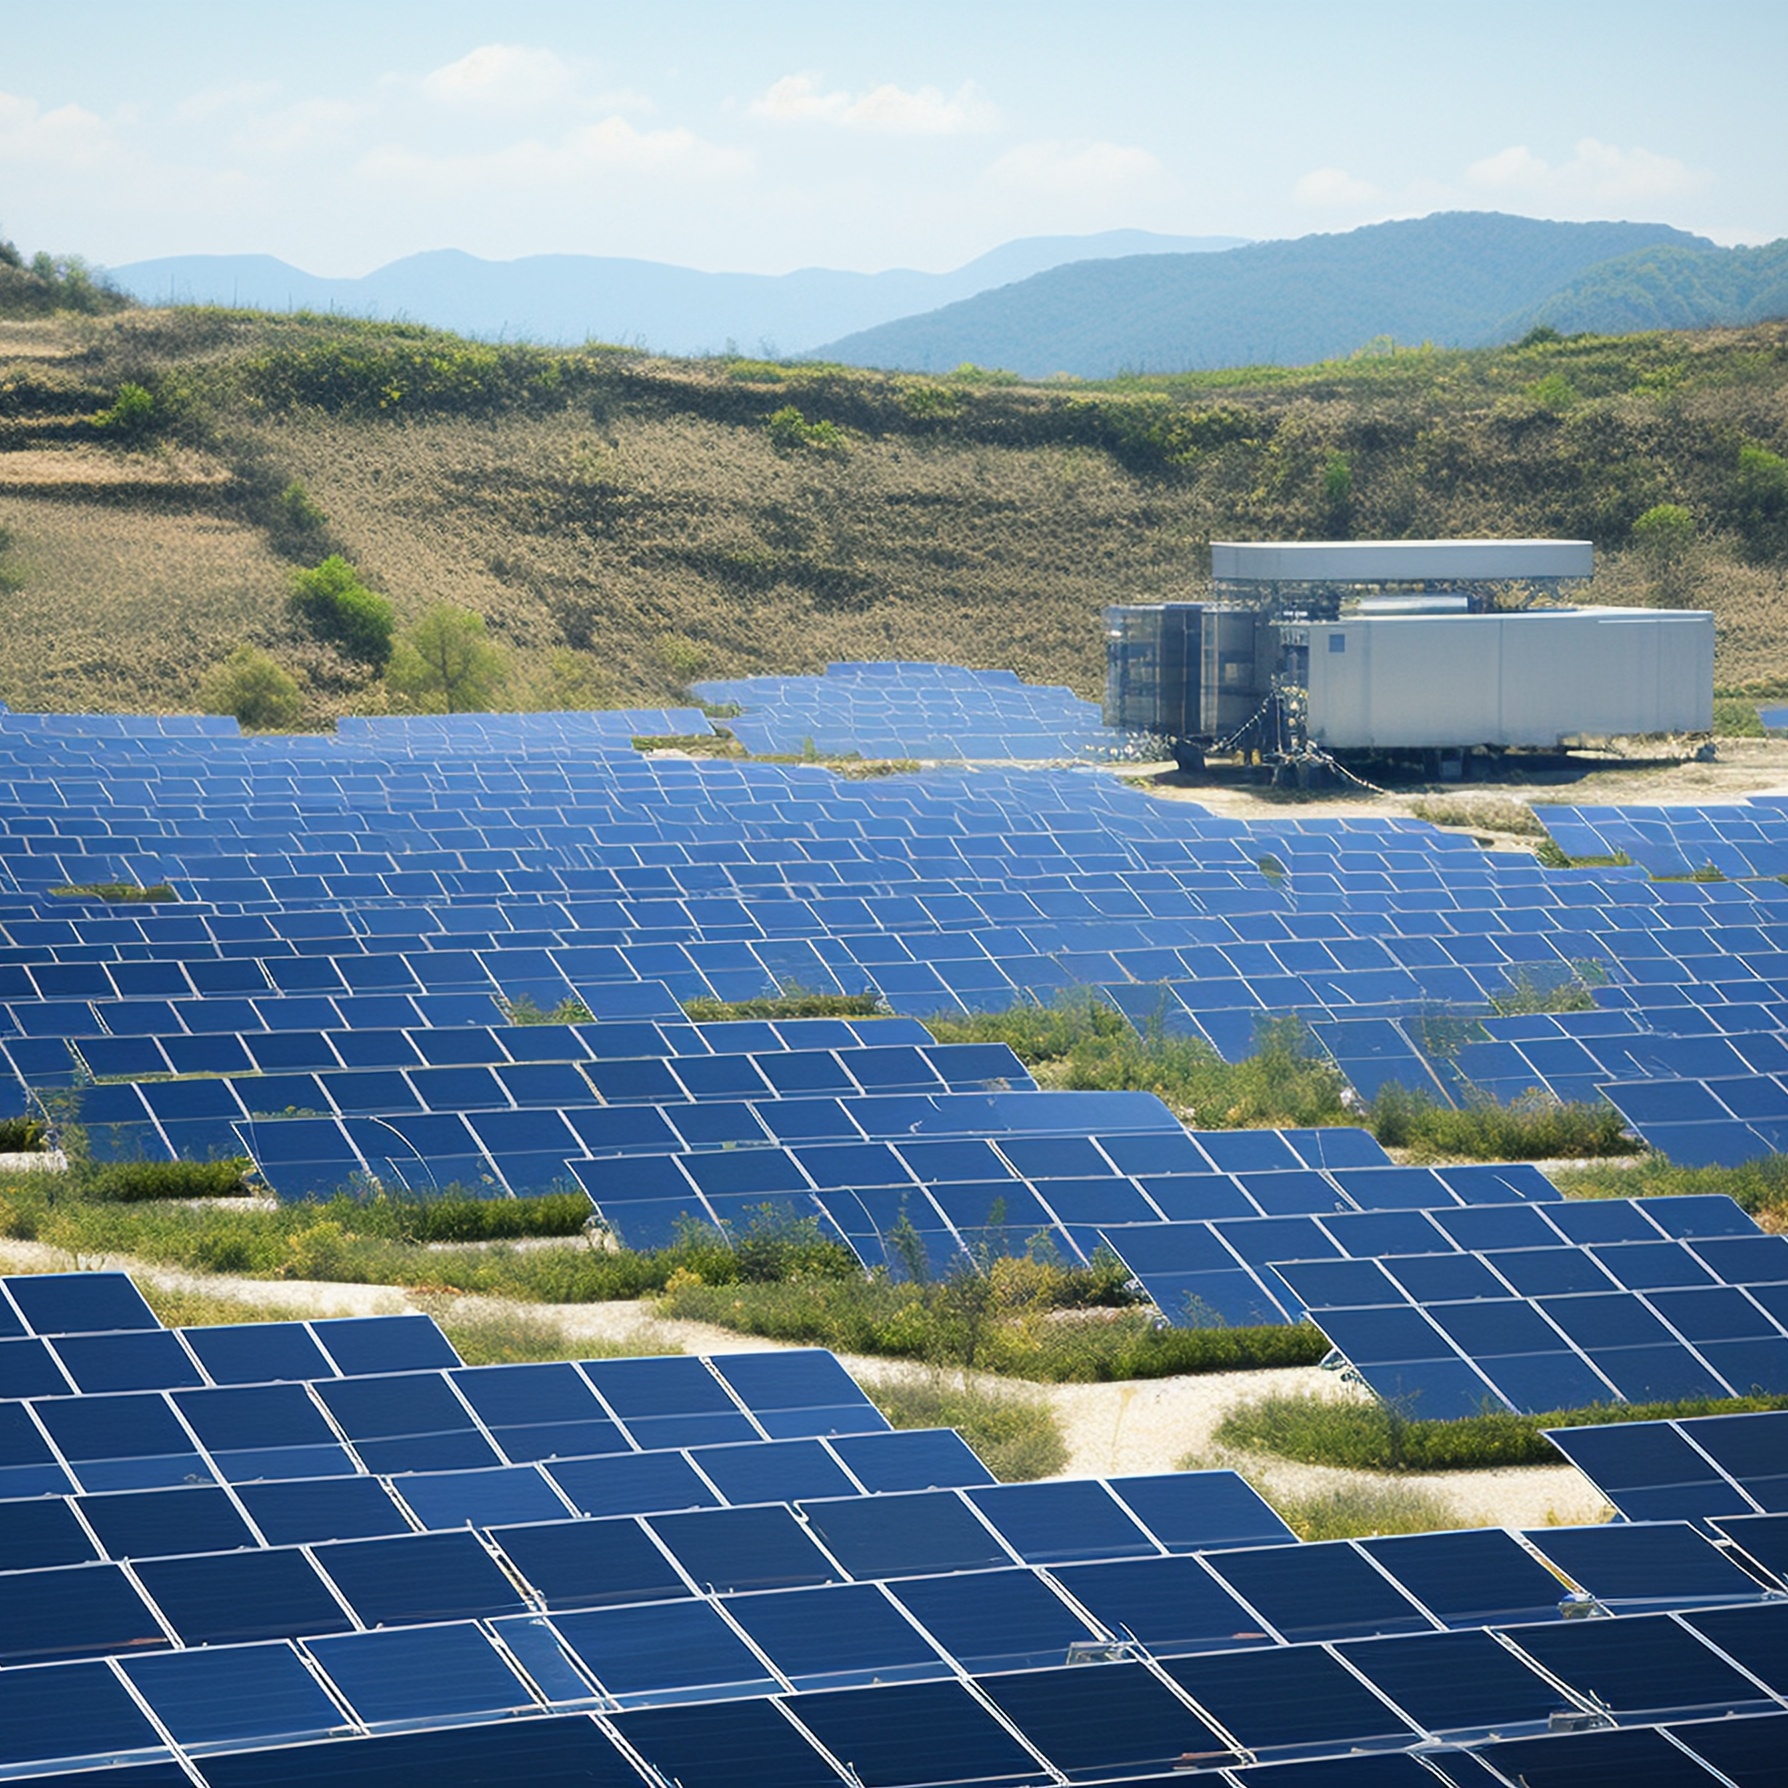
[[1139, 1426]]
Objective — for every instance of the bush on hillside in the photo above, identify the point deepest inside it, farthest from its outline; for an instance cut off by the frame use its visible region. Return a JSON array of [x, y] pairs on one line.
[[255, 689], [333, 605], [446, 665]]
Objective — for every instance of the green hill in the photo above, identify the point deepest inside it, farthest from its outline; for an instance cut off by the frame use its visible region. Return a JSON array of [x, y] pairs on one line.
[[627, 524], [1453, 279]]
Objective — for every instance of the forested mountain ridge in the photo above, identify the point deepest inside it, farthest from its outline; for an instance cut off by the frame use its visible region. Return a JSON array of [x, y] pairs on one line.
[[1457, 279]]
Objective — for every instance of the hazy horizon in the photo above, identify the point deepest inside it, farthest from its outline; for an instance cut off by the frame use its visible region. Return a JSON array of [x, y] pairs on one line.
[[868, 138]]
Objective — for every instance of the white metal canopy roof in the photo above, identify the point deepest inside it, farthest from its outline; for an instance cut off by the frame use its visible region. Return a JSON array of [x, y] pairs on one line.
[[1398, 561]]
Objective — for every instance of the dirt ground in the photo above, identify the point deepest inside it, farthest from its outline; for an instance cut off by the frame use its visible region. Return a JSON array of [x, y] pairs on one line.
[[1739, 768]]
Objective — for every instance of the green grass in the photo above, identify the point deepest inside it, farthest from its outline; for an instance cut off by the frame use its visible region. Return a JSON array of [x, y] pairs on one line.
[[514, 1337], [375, 1241], [1362, 1511], [1018, 1437], [137, 1182], [1479, 814], [1533, 1128], [122, 893], [1082, 1043], [788, 1005], [1023, 1331], [1760, 1186], [1370, 1436], [525, 1009], [180, 1308]]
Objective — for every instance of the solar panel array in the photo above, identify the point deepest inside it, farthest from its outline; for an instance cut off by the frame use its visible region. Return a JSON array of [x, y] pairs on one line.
[[913, 710], [343, 897], [327, 1552]]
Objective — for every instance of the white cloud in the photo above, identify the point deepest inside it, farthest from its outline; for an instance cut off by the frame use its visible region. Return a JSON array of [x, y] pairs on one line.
[[1075, 167], [234, 97], [887, 109], [308, 127], [1334, 189], [610, 146], [1597, 173], [64, 137], [502, 79]]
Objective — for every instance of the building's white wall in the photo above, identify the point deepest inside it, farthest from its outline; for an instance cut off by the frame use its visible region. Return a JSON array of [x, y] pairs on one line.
[[1528, 678]]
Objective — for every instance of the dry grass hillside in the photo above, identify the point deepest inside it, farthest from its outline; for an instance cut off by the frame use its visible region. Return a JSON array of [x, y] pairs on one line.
[[627, 524]]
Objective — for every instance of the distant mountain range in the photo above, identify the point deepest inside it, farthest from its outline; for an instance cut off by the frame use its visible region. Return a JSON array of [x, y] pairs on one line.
[[1093, 306], [672, 310], [1459, 279]]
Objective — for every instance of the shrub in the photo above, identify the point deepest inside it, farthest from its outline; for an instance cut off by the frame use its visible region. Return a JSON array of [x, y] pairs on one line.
[[132, 413], [297, 516], [1536, 1126], [791, 432], [1018, 1437], [453, 1216], [21, 1136], [446, 665], [1737, 720], [128, 1182], [252, 686], [332, 604]]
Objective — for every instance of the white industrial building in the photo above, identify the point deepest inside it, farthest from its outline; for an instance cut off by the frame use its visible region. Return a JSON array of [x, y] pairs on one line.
[[1404, 646]]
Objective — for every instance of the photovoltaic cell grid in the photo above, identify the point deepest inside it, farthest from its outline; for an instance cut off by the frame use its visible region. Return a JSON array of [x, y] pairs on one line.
[[1562, 1306], [730, 878], [913, 710], [1731, 1467], [814, 1613]]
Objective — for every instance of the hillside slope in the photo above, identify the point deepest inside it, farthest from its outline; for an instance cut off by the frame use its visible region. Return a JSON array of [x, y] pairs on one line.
[[630, 524], [577, 298], [1452, 279]]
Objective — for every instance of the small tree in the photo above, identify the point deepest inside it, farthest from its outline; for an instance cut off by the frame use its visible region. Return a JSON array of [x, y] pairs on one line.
[[334, 605], [1664, 537], [445, 664], [254, 688]]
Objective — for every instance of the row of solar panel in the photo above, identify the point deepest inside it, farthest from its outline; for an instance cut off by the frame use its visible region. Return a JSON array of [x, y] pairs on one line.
[[120, 1525], [669, 1674], [1695, 1469], [403, 1421]]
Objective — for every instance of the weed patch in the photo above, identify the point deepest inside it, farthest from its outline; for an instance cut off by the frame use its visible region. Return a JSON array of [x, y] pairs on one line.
[[788, 1005], [1022, 1319], [1081, 1042], [131, 1182], [1362, 1511], [119, 893], [1513, 817], [1017, 1436], [1760, 1186], [1371, 1436], [1535, 1127]]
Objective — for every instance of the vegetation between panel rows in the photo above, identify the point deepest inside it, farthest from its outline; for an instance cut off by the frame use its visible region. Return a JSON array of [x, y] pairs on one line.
[[1372, 1436]]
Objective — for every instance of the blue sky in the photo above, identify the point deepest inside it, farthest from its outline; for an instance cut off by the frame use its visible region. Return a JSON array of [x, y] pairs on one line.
[[771, 134]]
